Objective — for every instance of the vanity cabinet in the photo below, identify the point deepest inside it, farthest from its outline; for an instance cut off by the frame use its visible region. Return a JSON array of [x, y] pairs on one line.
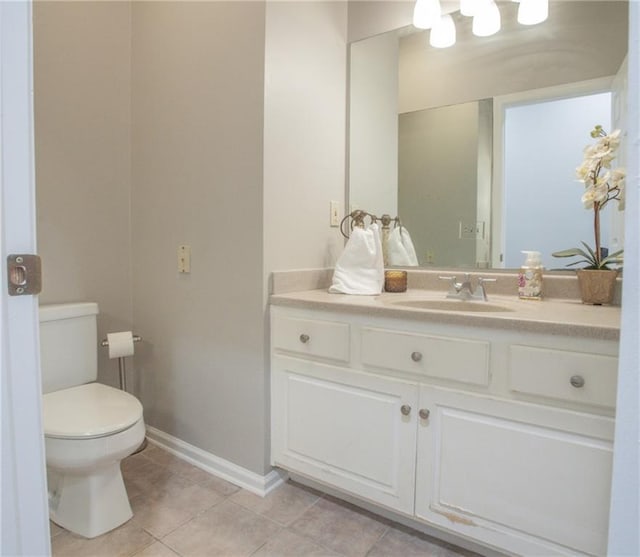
[[499, 437], [526, 478], [348, 429]]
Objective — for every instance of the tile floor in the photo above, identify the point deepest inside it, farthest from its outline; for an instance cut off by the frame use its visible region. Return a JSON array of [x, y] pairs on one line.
[[180, 510]]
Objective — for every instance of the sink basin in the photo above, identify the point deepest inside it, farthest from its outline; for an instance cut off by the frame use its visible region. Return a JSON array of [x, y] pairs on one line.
[[451, 305]]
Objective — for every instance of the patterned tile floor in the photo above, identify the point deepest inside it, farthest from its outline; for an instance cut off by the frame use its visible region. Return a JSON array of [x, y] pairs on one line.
[[180, 510]]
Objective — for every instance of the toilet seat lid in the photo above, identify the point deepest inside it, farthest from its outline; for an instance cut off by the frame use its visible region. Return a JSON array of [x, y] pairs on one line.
[[87, 411]]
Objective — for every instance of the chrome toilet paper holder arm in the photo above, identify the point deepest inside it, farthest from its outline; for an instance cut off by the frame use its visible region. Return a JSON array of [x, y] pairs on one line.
[[121, 365]]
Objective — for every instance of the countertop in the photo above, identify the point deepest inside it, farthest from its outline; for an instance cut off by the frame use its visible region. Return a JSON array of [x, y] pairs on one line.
[[551, 316]]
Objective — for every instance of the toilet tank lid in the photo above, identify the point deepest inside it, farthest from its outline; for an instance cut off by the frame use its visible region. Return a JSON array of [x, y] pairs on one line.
[[53, 312]]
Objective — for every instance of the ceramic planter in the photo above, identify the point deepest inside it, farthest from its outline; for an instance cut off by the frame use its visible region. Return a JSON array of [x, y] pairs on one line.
[[597, 286]]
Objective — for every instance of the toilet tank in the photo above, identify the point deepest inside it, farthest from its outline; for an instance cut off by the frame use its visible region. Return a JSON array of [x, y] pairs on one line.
[[68, 345]]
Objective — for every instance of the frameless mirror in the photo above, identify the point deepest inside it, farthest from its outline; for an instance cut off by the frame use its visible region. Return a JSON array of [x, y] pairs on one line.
[[475, 146]]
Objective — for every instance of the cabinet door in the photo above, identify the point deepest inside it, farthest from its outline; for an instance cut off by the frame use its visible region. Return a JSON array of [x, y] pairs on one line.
[[351, 430], [519, 476]]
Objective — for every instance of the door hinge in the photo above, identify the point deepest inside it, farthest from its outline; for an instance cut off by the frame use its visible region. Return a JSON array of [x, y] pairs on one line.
[[24, 272]]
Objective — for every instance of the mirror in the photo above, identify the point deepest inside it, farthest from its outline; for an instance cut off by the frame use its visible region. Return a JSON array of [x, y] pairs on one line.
[[428, 130]]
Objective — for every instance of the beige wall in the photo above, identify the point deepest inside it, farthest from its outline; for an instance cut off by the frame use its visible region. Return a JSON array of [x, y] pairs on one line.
[[438, 165], [371, 17], [82, 71], [198, 74], [373, 125], [154, 126], [304, 119]]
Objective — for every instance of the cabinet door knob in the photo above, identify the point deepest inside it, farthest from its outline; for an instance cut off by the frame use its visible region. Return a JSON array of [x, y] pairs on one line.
[[424, 413], [304, 338], [577, 381], [416, 356], [405, 409]]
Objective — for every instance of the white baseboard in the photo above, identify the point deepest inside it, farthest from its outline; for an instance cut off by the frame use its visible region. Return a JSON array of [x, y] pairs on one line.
[[255, 483]]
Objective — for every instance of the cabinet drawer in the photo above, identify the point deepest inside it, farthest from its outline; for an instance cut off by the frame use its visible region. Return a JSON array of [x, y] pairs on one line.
[[549, 373], [311, 337], [455, 359]]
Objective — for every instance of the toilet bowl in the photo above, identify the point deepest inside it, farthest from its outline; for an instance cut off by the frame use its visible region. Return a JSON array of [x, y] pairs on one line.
[[89, 427]]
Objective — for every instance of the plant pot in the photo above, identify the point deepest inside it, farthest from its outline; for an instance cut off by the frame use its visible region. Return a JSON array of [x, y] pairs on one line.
[[597, 286]]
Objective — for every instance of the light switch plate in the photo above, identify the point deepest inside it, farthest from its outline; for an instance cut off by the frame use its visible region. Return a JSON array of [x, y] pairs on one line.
[[334, 208]]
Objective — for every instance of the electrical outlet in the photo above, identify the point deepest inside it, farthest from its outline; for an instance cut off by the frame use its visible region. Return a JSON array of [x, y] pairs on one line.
[[334, 213], [471, 230], [184, 259]]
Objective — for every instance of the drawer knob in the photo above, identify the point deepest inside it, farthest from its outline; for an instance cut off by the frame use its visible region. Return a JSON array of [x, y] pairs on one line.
[[424, 413], [304, 338], [577, 381], [416, 356], [405, 409]]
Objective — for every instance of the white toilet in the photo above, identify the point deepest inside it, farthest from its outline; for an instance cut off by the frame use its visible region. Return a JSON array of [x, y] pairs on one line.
[[89, 427]]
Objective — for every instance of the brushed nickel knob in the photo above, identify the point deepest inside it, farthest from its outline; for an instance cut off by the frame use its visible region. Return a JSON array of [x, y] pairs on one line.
[[416, 356], [304, 338], [577, 381], [405, 409], [424, 413]]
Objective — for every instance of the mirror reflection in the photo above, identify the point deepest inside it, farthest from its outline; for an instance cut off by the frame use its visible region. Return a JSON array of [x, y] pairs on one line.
[[475, 146]]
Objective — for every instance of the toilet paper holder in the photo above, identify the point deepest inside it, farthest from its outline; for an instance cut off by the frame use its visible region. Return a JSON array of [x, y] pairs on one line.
[[121, 365]]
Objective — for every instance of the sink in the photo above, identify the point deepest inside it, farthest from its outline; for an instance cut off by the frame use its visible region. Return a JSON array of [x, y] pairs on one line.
[[451, 305]]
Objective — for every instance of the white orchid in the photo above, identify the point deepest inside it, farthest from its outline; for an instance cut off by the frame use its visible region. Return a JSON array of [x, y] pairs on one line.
[[599, 190]]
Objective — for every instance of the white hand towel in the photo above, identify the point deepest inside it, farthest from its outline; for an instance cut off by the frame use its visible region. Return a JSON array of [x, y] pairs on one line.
[[400, 250], [360, 269]]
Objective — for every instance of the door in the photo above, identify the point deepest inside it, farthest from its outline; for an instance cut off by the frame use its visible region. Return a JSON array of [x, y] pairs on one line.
[[619, 120], [25, 525], [523, 477], [351, 430]]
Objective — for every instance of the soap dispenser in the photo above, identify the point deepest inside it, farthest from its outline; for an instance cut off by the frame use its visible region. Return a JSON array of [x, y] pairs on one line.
[[530, 277]]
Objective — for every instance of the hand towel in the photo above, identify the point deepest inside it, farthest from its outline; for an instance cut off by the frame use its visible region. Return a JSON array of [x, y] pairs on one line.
[[360, 268], [400, 250]]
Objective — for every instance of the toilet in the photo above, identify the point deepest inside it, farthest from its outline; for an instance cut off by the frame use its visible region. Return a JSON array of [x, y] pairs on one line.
[[88, 427]]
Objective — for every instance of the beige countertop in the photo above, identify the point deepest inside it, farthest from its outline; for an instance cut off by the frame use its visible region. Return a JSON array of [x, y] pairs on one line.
[[550, 316]]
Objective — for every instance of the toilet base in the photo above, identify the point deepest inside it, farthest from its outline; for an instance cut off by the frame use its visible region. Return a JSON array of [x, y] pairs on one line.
[[89, 504]]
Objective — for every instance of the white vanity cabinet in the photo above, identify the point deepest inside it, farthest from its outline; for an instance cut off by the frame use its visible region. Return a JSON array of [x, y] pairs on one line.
[[351, 430], [500, 437], [523, 477]]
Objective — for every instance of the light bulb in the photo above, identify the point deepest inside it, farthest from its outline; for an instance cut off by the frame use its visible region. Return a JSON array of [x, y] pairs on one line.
[[486, 21], [532, 12], [443, 33], [468, 7], [426, 13]]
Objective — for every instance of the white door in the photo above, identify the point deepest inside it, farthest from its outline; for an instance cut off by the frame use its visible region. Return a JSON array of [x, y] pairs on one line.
[[530, 479], [619, 120], [351, 430], [25, 525]]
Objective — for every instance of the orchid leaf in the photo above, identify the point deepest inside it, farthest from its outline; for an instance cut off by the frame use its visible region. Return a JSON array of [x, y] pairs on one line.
[[592, 253], [570, 253], [613, 258]]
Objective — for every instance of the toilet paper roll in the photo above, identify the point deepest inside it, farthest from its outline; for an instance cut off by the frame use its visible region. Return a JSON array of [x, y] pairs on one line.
[[120, 344]]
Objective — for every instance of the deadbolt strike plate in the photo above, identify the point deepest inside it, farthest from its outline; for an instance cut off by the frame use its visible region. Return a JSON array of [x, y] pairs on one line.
[[24, 274]]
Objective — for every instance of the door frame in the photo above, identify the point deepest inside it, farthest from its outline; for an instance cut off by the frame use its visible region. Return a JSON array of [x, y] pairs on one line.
[[24, 528]]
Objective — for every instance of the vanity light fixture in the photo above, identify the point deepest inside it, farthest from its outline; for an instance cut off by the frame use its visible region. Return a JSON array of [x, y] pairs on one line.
[[426, 13], [486, 21], [443, 33], [532, 12]]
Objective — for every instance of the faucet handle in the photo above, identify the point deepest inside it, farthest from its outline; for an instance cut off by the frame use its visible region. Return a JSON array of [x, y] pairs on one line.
[[480, 291], [454, 287]]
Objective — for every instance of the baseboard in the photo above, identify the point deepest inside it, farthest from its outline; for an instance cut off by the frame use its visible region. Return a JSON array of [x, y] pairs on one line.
[[255, 483]]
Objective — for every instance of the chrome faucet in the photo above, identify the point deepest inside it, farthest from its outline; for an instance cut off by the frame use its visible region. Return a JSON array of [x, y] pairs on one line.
[[464, 291]]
